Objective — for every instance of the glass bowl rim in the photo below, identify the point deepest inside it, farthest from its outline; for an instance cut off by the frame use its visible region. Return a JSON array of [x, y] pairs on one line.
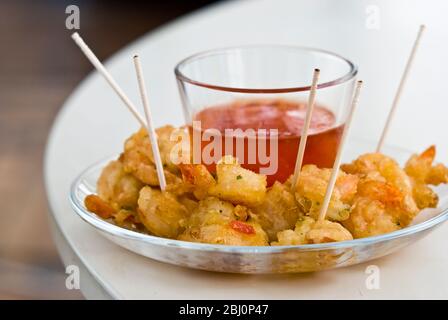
[[207, 53], [117, 231]]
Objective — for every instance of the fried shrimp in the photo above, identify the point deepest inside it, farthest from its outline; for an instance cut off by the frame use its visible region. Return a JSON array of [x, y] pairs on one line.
[[378, 208], [326, 231], [378, 167], [117, 187], [385, 199], [238, 185], [311, 188], [308, 231], [423, 172], [421, 168], [424, 196], [161, 212], [98, 206], [138, 159], [220, 222], [278, 211], [373, 195], [198, 178], [296, 236]]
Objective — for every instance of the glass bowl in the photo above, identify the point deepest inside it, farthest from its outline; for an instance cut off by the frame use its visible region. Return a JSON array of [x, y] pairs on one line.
[[275, 259], [254, 72], [266, 75]]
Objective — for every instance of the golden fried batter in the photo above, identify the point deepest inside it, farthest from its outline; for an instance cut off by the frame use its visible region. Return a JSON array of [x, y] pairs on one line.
[[311, 188], [139, 160], [327, 231], [161, 212], [238, 185], [117, 187], [98, 206], [379, 207], [377, 166], [278, 211], [422, 171], [216, 221], [385, 198], [308, 231], [198, 177]]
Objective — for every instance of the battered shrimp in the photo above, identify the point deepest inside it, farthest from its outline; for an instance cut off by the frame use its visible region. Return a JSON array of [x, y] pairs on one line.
[[378, 167], [298, 235], [219, 222], [161, 212], [326, 231], [308, 231], [311, 188], [139, 161], [117, 187], [424, 196], [98, 206], [278, 211], [198, 178], [236, 184], [117, 196], [421, 169], [379, 207]]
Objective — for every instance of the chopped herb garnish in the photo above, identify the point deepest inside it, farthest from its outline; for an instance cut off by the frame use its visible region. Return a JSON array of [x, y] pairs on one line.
[[239, 177]]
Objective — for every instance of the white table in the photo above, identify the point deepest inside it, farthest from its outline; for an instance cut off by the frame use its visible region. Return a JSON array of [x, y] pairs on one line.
[[93, 124]]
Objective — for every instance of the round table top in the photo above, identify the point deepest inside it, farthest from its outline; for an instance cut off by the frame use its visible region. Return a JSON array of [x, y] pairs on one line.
[[93, 124]]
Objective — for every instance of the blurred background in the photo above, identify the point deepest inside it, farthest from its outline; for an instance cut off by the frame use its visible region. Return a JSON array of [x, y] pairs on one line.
[[39, 67]]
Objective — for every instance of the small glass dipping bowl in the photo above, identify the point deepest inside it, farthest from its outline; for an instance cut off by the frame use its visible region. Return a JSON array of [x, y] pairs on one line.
[[267, 87]]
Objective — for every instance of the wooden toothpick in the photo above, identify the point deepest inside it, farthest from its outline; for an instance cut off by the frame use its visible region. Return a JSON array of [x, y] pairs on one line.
[[400, 89], [103, 71], [150, 127], [337, 161], [304, 134]]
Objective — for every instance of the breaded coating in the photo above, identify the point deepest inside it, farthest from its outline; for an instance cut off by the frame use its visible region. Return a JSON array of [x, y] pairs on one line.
[[238, 185], [296, 236], [311, 188], [423, 172], [370, 218], [421, 168], [98, 206], [216, 221], [161, 212], [309, 231], [278, 211], [391, 192], [198, 178], [129, 219], [138, 159], [377, 166], [326, 231], [379, 207], [118, 188]]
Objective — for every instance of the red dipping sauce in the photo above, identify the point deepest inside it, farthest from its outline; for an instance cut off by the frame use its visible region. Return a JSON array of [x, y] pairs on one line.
[[288, 118]]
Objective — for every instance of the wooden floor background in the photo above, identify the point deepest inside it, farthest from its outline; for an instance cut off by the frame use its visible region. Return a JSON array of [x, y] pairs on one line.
[[39, 67]]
